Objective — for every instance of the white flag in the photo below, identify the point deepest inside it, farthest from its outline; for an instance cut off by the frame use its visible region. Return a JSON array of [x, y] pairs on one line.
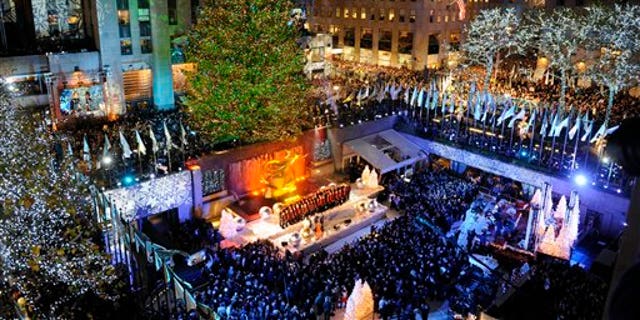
[[532, 117], [141, 149], [167, 136], [414, 96], [558, 129], [86, 155], [421, 98], [126, 149], [576, 127], [183, 135], [554, 123], [506, 114], [406, 95], [154, 142], [107, 146], [600, 132], [519, 116], [587, 130]]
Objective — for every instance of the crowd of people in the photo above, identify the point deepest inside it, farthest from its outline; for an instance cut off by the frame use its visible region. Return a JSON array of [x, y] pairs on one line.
[[313, 203]]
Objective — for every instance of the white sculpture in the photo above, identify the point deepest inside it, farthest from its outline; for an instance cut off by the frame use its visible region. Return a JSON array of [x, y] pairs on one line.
[[365, 175], [360, 302], [265, 212], [228, 227], [373, 179]]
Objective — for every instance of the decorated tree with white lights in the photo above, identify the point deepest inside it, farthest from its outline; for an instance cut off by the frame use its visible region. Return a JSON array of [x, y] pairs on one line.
[[615, 34], [558, 36], [48, 248], [492, 32]]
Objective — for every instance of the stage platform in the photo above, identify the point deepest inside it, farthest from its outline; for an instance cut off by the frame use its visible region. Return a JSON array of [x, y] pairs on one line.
[[249, 206], [339, 222]]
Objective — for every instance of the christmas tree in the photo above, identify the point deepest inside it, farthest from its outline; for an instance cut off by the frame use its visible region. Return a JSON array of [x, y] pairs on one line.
[[249, 84], [49, 245]]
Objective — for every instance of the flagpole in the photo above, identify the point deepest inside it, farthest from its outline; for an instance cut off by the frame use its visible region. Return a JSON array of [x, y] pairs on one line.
[[542, 134], [575, 150], [564, 144], [533, 133]]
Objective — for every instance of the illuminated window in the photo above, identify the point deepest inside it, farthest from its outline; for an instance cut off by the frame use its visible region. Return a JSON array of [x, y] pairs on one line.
[[381, 16], [392, 14], [346, 13], [363, 13], [438, 19], [338, 12], [354, 13], [412, 16], [446, 18]]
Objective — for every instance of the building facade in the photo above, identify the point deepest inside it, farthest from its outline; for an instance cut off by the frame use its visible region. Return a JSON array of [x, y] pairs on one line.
[[92, 56], [409, 33]]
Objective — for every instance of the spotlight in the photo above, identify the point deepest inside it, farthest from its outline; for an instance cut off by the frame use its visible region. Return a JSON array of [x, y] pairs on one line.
[[606, 159], [523, 153], [107, 160], [128, 180], [580, 180], [152, 176], [619, 191]]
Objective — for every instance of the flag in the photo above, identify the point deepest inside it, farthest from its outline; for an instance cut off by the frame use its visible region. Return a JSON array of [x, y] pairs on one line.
[[610, 131], [600, 132], [519, 116], [154, 142], [575, 127], [444, 102], [434, 100], [167, 136], [126, 149], [414, 96], [421, 97], [553, 123], [543, 127], [86, 155], [141, 149], [587, 130], [476, 110], [350, 97], [69, 149], [506, 114], [406, 95], [558, 129], [452, 106], [532, 117], [484, 114], [107, 146], [183, 135]]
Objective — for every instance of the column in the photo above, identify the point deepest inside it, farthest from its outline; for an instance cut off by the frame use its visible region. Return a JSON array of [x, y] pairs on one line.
[[108, 42], [161, 57], [394, 46], [356, 45], [374, 49]]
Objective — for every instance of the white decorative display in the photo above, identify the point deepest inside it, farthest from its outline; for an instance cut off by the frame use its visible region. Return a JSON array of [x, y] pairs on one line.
[[228, 225], [360, 302], [265, 212], [153, 196], [567, 223]]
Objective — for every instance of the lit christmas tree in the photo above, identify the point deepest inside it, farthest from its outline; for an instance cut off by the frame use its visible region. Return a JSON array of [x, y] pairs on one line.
[[249, 84], [47, 247]]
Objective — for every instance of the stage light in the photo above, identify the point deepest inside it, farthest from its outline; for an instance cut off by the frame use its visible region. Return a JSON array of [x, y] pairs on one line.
[[619, 191], [107, 160], [152, 176], [128, 180], [606, 159], [580, 180], [523, 153]]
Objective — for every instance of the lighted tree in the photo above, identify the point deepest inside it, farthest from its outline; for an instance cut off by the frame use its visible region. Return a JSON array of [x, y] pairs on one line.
[[616, 36], [558, 36], [47, 250], [493, 31], [249, 84]]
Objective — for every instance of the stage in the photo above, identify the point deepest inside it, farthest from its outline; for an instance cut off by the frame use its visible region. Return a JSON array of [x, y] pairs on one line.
[[339, 222]]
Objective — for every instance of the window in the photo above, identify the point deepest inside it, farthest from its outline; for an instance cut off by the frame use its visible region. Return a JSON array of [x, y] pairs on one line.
[[434, 45], [373, 14], [338, 12], [366, 38], [335, 36], [446, 18], [363, 13], [412, 16], [384, 43], [381, 16], [401, 15], [144, 21], [405, 42], [438, 19], [392, 14], [350, 37], [346, 13], [354, 13], [431, 16], [173, 12], [124, 27]]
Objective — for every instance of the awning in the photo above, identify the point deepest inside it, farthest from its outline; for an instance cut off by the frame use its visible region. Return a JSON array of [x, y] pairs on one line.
[[386, 151]]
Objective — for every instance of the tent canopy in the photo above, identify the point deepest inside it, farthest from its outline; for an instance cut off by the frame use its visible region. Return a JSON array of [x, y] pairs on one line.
[[386, 151]]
